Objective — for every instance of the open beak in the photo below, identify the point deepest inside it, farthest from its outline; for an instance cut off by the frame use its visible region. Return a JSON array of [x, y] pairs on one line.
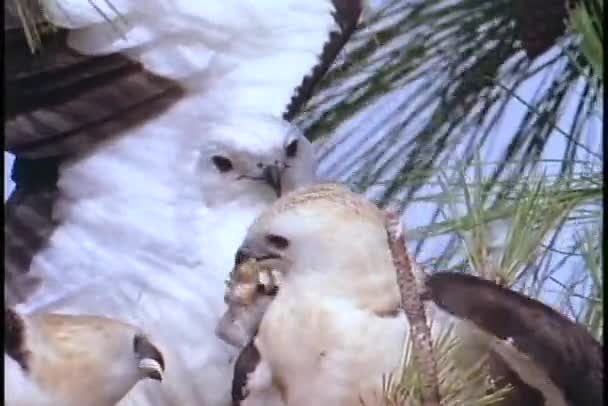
[[151, 361], [272, 176]]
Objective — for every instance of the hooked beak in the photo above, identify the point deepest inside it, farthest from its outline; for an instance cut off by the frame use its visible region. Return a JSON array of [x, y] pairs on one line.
[[272, 176], [249, 250], [151, 361]]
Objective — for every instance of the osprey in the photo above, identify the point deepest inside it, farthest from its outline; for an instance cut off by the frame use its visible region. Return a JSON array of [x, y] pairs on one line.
[[148, 135], [334, 325], [56, 359]]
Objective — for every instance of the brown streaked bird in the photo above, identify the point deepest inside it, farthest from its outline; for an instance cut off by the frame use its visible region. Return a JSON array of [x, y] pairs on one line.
[[334, 327], [68, 360]]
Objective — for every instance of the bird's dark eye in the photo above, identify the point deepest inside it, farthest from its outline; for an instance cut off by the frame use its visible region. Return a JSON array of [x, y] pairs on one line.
[[222, 164], [292, 149], [278, 241], [261, 289]]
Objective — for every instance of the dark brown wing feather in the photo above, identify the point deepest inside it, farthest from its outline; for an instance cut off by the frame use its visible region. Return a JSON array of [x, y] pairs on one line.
[[53, 106], [246, 363], [347, 16], [27, 227], [572, 358], [54, 97], [14, 338]]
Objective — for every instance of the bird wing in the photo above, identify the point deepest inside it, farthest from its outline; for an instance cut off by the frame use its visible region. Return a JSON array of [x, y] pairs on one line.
[[110, 67], [246, 363], [54, 96], [528, 333]]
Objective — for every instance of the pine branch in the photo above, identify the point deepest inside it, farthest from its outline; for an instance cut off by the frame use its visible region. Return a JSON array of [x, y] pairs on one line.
[[414, 310]]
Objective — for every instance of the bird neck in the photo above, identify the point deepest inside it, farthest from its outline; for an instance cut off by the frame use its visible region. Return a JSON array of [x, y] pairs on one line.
[[370, 286]]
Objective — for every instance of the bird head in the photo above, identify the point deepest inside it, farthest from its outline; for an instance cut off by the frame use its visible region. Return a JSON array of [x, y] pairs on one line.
[[260, 159], [79, 359], [329, 241], [305, 230]]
